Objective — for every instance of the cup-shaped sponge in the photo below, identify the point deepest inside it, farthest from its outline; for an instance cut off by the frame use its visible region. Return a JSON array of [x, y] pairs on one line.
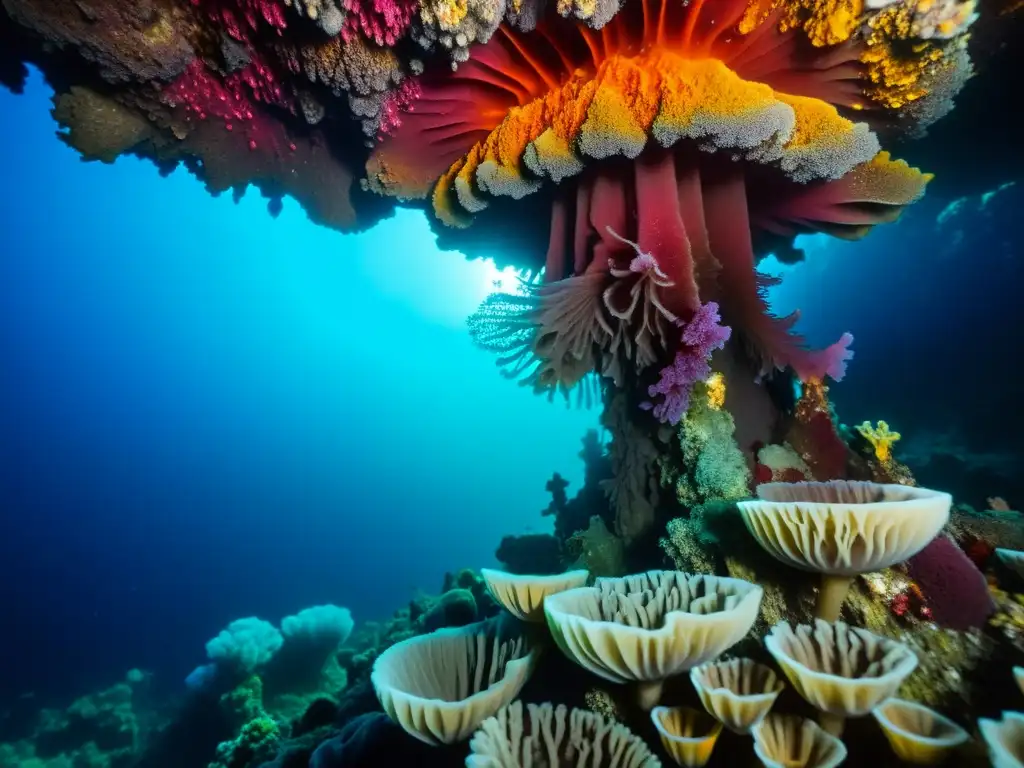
[[440, 687], [543, 734], [844, 528], [842, 670], [523, 596], [648, 627]]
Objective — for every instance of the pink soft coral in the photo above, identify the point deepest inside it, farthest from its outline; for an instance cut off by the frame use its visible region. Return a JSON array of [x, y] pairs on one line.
[[701, 336]]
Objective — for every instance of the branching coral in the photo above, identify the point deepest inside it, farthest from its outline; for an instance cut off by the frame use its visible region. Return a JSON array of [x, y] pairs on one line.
[[880, 437]]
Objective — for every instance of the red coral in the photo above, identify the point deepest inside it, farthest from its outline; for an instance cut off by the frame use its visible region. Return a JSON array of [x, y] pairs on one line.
[[954, 588], [813, 435]]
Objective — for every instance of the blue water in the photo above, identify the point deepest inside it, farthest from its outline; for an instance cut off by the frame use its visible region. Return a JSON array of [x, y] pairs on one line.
[[207, 413]]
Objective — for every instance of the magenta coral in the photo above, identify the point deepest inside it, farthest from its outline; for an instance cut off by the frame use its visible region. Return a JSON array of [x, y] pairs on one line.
[[239, 17], [382, 21], [701, 336], [204, 95], [395, 104], [953, 587]]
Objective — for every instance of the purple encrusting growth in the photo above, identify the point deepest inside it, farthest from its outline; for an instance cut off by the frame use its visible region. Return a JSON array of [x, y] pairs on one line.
[[701, 336]]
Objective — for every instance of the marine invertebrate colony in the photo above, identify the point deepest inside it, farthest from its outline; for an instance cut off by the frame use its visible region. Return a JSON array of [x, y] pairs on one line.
[[668, 142]]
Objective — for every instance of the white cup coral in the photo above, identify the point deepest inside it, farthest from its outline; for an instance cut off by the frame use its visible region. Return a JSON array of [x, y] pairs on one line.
[[650, 626], [917, 734], [843, 528], [842, 671], [738, 692], [532, 735], [440, 687], [523, 596]]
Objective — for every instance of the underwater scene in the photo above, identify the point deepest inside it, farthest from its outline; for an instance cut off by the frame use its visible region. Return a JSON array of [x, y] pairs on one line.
[[511, 383]]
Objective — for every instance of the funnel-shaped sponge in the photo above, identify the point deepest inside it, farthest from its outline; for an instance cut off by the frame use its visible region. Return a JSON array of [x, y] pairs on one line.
[[1004, 739], [523, 596], [688, 735], [842, 671], [440, 687], [545, 735], [648, 627], [738, 692], [841, 528], [788, 741], [917, 734]]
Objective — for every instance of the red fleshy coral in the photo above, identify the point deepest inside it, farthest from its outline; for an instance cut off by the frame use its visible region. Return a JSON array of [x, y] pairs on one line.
[[382, 21], [813, 435], [954, 588]]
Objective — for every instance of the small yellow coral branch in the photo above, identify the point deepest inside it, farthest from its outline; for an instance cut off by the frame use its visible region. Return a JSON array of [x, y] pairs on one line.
[[881, 439], [716, 391]]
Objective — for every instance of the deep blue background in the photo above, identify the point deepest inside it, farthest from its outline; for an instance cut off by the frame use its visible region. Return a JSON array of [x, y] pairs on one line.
[[206, 413]]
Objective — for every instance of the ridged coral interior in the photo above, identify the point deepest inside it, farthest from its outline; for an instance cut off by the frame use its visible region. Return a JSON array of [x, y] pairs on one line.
[[841, 492], [789, 741], [547, 735]]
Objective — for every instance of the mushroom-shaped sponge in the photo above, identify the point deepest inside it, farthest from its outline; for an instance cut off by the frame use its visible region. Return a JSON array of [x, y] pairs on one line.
[[650, 626], [917, 734], [440, 687], [1004, 739], [521, 736], [788, 741], [842, 671], [523, 596], [842, 528], [738, 692]]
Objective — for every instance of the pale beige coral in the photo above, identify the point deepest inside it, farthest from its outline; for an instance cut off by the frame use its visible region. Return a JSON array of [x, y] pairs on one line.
[[439, 687], [523, 596], [738, 692], [843, 528], [651, 626], [546, 735], [842, 671], [918, 734], [788, 741], [779, 458], [1004, 739], [688, 735]]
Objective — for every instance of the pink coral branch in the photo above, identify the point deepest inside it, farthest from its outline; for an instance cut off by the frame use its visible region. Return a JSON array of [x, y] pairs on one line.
[[382, 21], [742, 289]]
